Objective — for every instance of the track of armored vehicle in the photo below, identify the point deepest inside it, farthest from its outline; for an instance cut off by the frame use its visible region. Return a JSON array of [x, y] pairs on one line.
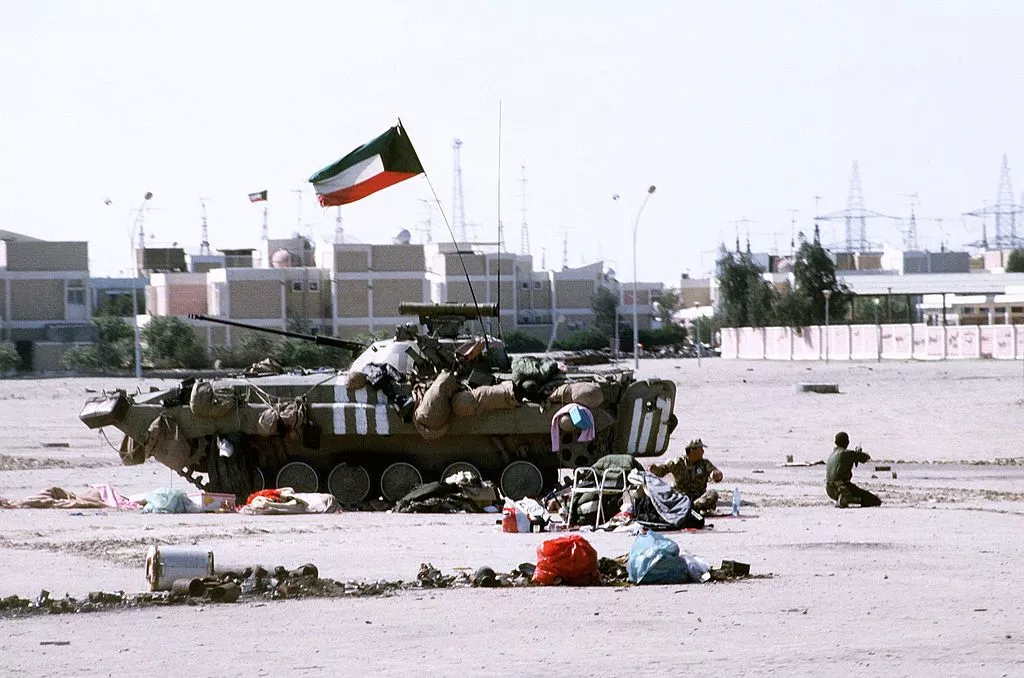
[[361, 434]]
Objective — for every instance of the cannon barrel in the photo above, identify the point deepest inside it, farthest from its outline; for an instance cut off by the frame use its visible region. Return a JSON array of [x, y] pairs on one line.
[[333, 342], [449, 309]]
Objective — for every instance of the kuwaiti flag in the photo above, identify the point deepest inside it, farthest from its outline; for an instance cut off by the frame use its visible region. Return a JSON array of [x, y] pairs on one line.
[[258, 197], [385, 161]]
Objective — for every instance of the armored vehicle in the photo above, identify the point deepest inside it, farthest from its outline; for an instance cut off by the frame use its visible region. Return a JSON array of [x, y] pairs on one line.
[[411, 409]]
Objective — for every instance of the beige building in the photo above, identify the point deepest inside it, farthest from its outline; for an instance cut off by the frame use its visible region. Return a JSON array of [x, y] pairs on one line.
[[355, 288], [45, 304]]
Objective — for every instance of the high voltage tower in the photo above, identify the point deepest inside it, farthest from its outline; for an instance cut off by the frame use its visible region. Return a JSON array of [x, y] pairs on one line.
[[204, 243], [1005, 211], [524, 230], [855, 215], [458, 205]]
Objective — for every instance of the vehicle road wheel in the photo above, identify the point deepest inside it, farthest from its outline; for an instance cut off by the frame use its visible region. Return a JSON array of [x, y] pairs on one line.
[[398, 480], [522, 479], [299, 476], [349, 484], [460, 467]]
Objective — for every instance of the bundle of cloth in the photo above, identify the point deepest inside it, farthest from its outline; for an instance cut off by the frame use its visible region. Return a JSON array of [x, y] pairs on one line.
[[285, 500]]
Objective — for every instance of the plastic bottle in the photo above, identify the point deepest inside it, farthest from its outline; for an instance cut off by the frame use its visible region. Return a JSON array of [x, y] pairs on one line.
[[736, 501]]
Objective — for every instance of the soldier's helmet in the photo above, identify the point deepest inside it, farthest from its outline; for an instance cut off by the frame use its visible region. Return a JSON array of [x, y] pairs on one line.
[[697, 444]]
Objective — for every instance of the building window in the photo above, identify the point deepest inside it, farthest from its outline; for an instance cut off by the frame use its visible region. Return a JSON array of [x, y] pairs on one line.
[[524, 285], [314, 286], [536, 284], [1000, 309], [1017, 309], [296, 286], [75, 293]]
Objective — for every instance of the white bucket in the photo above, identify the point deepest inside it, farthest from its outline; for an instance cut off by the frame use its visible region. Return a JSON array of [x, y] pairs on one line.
[[164, 564]]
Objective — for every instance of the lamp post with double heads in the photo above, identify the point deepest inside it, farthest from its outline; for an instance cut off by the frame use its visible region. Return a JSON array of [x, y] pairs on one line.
[[636, 327], [828, 294]]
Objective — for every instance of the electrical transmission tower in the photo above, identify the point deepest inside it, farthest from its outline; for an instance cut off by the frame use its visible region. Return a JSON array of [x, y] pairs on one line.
[[910, 233], [855, 215], [204, 242], [458, 205], [1005, 211], [426, 226], [524, 230]]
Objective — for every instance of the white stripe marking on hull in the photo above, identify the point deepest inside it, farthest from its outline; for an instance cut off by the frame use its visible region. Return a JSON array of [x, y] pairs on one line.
[[340, 398], [634, 426], [665, 405], [362, 423], [645, 437], [382, 420]]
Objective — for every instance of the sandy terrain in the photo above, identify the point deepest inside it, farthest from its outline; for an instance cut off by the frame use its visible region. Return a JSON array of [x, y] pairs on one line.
[[929, 584]]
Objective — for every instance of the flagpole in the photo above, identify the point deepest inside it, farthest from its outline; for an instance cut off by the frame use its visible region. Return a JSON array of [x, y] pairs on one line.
[[465, 270], [500, 234]]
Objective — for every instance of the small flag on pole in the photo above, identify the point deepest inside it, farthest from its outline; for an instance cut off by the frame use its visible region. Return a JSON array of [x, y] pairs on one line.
[[383, 162], [258, 197]]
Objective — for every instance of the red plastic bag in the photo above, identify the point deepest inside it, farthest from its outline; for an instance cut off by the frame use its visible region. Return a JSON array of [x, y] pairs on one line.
[[567, 560]]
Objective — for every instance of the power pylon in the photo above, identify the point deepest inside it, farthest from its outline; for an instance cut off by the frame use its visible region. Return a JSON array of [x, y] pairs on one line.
[[524, 230], [855, 215], [458, 204], [1005, 211]]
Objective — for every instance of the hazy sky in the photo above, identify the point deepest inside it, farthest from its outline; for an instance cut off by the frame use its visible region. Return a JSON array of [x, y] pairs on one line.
[[732, 109]]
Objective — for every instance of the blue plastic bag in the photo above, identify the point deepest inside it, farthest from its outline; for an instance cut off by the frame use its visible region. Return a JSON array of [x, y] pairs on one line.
[[654, 559]]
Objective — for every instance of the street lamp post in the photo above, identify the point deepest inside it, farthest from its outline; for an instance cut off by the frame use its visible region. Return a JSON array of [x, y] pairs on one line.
[[878, 328], [135, 296], [828, 294], [696, 317], [636, 327]]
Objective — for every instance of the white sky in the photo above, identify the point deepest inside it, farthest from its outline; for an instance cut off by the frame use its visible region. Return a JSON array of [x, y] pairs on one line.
[[734, 110]]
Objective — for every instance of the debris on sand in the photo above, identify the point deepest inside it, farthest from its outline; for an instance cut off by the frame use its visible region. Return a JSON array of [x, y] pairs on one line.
[[280, 583]]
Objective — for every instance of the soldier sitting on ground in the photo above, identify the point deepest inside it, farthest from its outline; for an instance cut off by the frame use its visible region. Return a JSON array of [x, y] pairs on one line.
[[690, 475], [839, 472]]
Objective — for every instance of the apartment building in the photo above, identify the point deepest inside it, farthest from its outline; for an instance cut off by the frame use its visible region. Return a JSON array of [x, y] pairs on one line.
[[45, 303]]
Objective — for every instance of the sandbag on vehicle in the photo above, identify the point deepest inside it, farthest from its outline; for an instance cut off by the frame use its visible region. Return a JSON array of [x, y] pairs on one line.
[[209, 404], [583, 393], [497, 397], [435, 408], [464, 404]]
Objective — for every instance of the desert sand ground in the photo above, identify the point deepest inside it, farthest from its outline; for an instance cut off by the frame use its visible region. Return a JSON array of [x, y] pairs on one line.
[[928, 584]]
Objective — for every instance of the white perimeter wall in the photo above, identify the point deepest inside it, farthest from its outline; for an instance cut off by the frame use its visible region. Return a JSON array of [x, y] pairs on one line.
[[871, 342]]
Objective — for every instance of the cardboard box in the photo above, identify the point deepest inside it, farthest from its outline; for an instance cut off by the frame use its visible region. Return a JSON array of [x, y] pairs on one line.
[[210, 502]]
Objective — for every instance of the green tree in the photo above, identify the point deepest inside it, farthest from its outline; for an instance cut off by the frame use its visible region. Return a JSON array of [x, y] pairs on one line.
[[589, 339], [171, 342], [301, 353], [1015, 262], [604, 305], [814, 272], [745, 298], [518, 341], [668, 335], [9, 356], [668, 302]]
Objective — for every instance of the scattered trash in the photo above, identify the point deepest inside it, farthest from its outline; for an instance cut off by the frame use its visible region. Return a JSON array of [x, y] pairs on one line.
[[56, 444], [54, 642]]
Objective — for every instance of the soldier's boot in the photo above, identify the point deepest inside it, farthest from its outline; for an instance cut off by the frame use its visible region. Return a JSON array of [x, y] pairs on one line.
[[842, 501]]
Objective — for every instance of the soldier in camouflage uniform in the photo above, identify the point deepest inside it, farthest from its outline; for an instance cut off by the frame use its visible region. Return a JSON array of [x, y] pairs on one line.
[[839, 473], [690, 475]]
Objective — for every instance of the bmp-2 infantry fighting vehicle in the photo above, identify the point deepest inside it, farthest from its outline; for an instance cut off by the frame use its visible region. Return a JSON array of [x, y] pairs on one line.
[[412, 409]]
